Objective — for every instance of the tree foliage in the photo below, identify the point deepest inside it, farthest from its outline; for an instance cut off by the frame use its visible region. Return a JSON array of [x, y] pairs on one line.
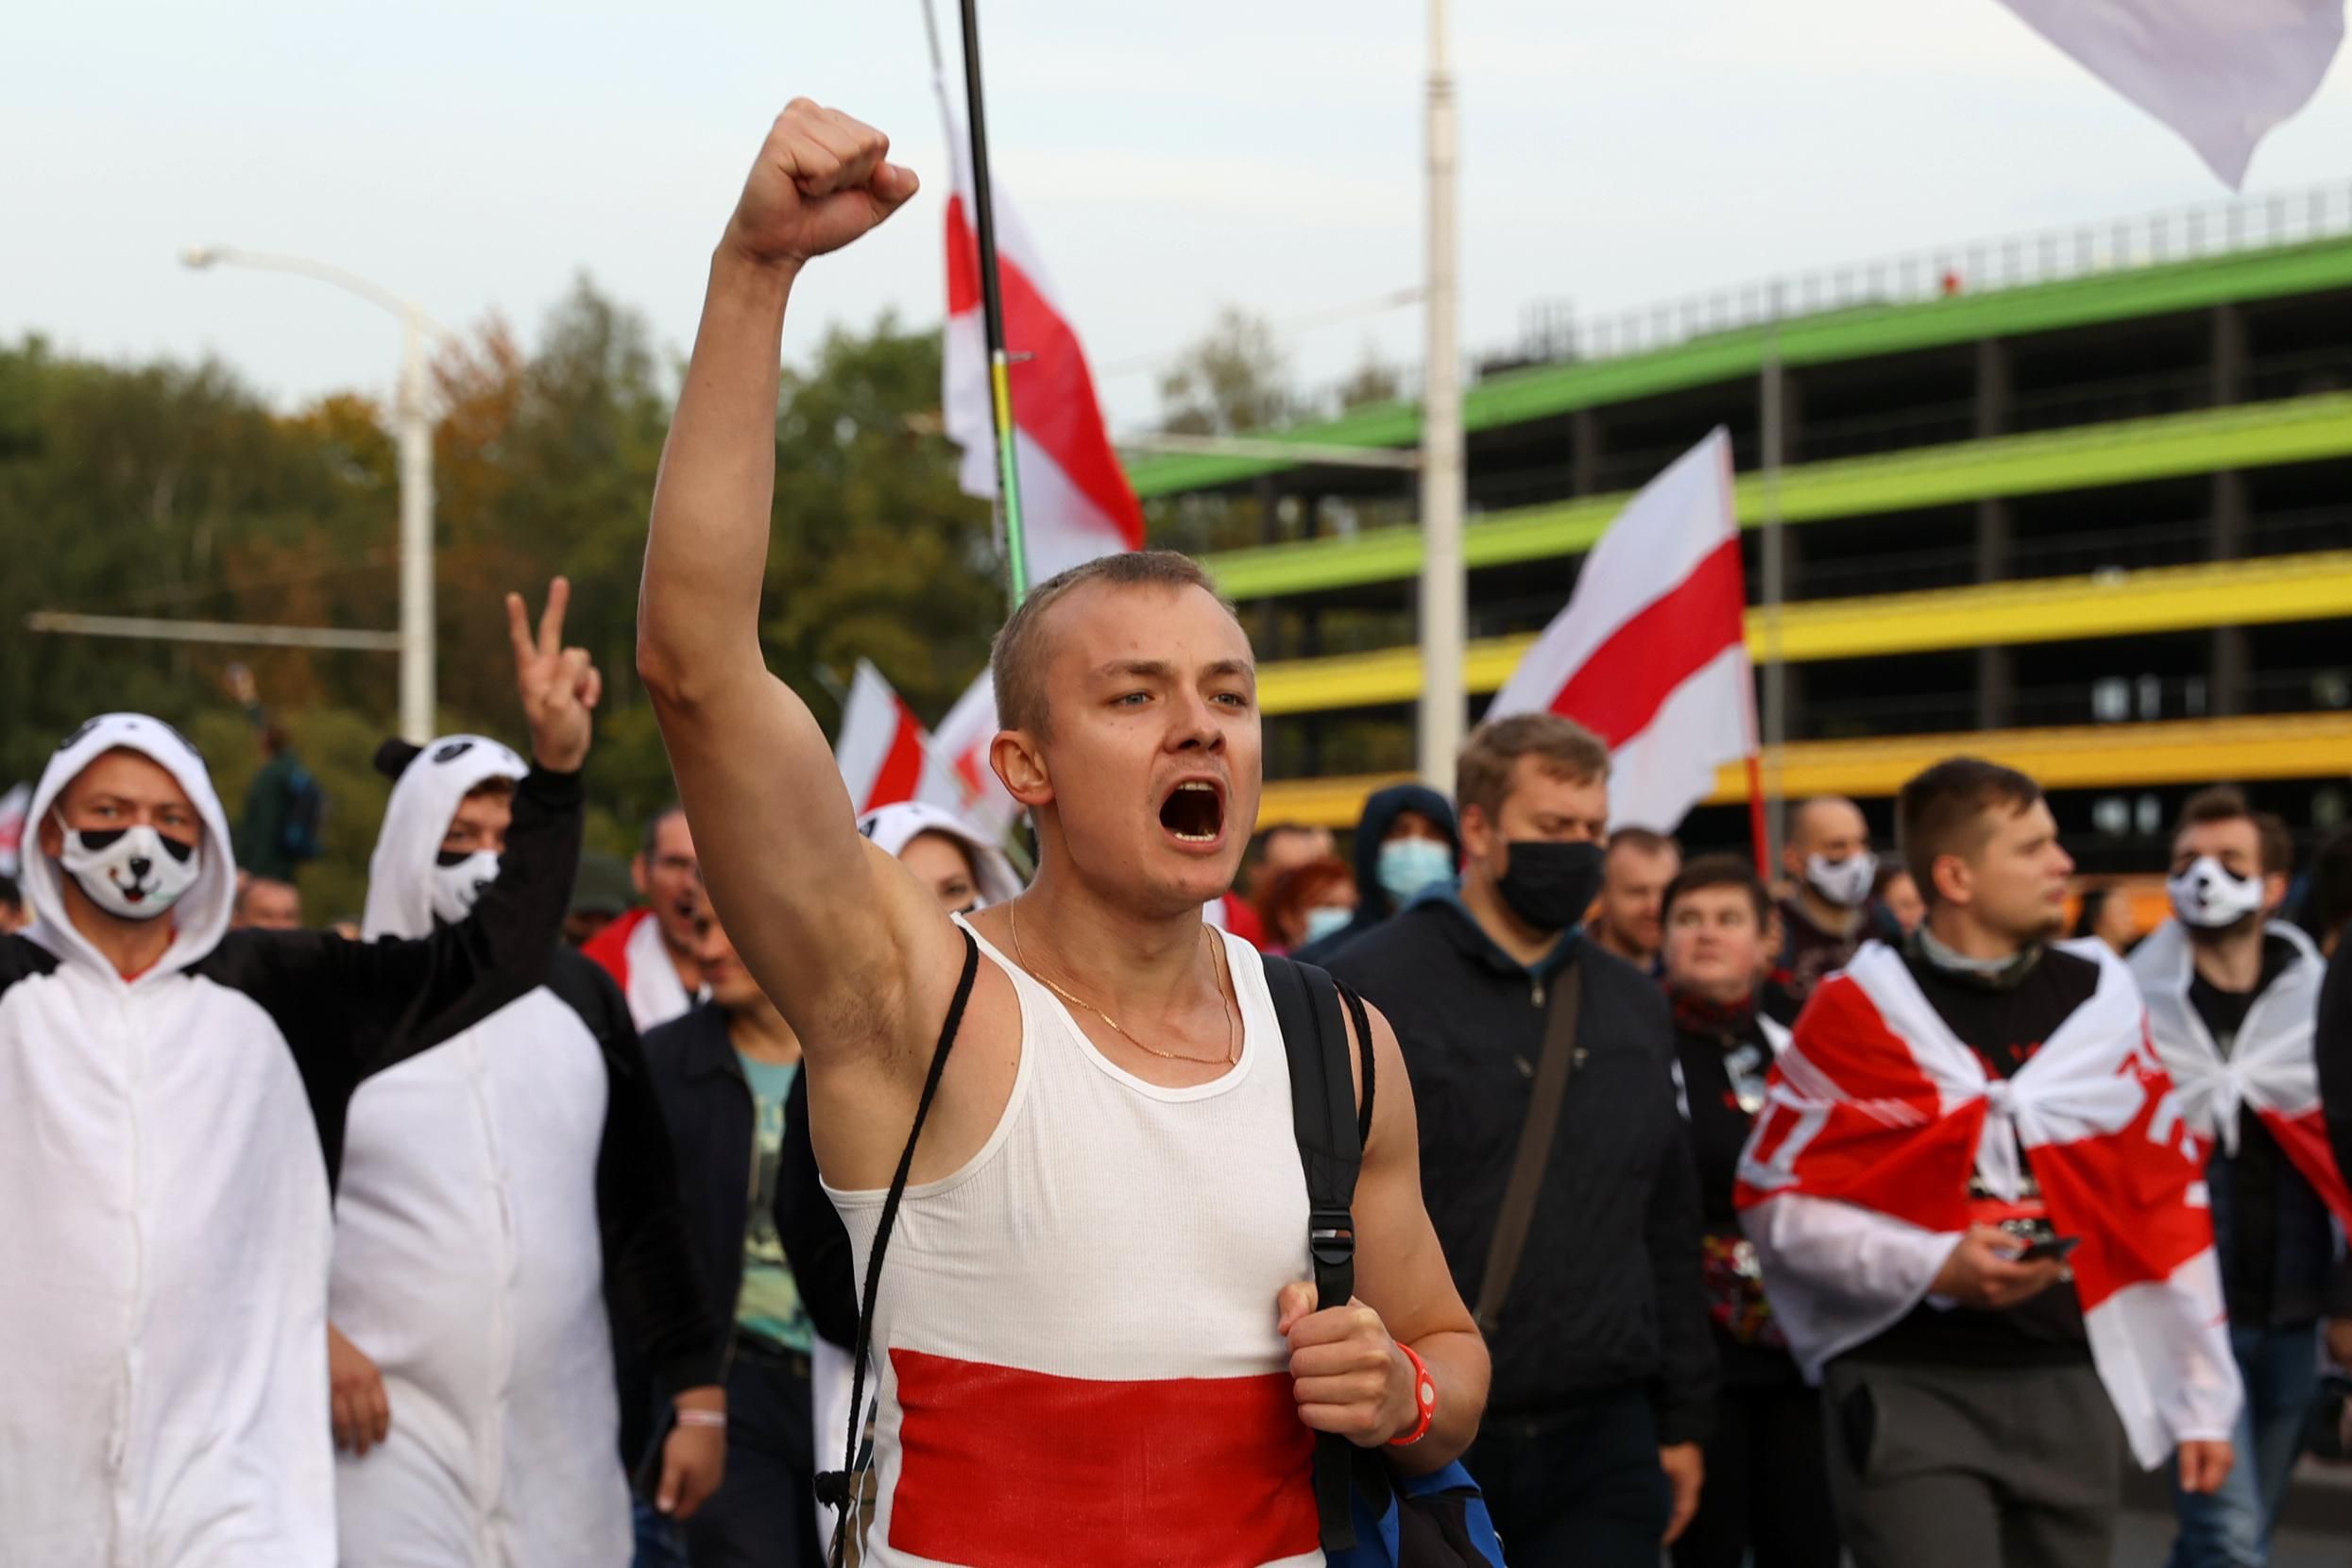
[[174, 490], [1235, 378]]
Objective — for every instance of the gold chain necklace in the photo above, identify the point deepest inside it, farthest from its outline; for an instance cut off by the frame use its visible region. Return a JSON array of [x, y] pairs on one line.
[[1233, 1046]]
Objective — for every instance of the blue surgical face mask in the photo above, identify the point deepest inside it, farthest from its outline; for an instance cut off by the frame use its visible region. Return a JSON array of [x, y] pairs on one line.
[[1325, 919], [1410, 866]]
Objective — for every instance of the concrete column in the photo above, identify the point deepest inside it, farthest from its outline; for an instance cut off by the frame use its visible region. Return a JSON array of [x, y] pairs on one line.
[[2229, 355], [1995, 387], [1996, 667], [1584, 451], [2231, 530]]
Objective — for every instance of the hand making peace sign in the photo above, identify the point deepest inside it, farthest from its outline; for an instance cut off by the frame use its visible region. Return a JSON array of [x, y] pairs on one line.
[[560, 686]]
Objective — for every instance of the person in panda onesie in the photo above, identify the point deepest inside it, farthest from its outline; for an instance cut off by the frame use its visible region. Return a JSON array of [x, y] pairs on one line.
[[509, 1205], [172, 1100]]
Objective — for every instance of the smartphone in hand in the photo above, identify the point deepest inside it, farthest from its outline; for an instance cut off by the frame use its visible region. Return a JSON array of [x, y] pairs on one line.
[[2056, 1247]]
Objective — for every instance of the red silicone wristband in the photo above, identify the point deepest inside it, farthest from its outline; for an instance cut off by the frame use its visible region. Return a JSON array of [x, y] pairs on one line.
[[1425, 1399]]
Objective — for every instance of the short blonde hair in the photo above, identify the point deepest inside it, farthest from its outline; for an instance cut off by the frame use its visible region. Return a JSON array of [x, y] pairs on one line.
[[1562, 747], [1017, 660]]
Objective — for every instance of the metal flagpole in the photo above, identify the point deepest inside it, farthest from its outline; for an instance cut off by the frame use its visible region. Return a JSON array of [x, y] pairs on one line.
[[1772, 392], [1444, 590], [991, 305]]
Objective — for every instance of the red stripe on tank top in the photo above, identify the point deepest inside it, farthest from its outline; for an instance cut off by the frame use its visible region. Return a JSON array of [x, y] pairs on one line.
[[1001, 1468]]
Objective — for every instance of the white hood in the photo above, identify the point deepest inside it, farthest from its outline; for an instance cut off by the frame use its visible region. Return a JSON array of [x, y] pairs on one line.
[[201, 917], [424, 798], [895, 826]]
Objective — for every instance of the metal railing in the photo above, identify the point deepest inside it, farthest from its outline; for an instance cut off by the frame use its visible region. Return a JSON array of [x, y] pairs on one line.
[[1554, 332]]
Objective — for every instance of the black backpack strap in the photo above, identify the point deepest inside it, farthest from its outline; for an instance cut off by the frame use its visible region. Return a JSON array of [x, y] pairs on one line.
[[1324, 1113], [834, 1488], [1357, 1016]]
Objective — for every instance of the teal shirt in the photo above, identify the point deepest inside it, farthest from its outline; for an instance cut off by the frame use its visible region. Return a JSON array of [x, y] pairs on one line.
[[769, 1304]]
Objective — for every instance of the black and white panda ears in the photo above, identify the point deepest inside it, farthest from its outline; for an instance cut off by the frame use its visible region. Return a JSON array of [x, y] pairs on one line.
[[394, 756]]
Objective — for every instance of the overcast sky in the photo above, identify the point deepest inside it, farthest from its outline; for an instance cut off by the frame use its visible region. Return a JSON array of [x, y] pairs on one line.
[[477, 156]]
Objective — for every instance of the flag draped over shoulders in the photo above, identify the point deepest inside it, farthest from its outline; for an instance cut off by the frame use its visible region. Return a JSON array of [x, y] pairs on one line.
[[1854, 1185]]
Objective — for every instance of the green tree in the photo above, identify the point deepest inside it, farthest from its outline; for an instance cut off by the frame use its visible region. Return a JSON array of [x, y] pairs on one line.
[[173, 491], [1235, 378]]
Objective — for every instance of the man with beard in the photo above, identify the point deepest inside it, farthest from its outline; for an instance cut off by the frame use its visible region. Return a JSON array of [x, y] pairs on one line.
[[1827, 919], [1629, 919], [172, 1099], [651, 951], [1979, 1219], [2232, 998], [1605, 1379]]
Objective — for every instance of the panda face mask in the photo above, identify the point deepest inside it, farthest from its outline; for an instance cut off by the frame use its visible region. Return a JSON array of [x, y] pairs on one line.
[[132, 873], [2209, 898], [458, 878]]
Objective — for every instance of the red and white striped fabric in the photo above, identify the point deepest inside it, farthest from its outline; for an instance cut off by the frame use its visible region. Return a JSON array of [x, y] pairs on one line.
[[961, 779], [12, 807], [1075, 499], [1854, 1185], [1651, 653], [882, 751], [2270, 1070], [1076, 503]]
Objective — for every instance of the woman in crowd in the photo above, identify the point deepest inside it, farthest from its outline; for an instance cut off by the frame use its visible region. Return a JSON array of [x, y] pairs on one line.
[[1306, 903]]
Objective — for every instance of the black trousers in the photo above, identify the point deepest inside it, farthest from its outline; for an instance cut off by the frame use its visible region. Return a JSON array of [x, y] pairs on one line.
[[760, 1516], [1579, 1489], [1768, 1484]]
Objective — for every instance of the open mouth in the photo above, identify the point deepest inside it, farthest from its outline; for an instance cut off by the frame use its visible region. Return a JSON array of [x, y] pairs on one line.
[[1194, 812]]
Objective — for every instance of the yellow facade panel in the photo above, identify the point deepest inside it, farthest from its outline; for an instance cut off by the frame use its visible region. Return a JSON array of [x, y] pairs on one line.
[[2194, 751]]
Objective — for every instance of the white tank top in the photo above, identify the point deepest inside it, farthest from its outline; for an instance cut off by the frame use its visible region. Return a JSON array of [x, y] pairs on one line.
[[1074, 1335]]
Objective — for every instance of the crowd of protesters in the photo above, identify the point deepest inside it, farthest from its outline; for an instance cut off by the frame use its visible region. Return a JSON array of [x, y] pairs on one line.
[[1863, 1214]]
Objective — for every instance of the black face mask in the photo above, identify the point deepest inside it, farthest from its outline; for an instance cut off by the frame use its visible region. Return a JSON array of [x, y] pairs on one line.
[[1550, 885]]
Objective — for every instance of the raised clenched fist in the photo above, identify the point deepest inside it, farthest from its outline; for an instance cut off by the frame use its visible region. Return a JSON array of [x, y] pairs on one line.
[[821, 181]]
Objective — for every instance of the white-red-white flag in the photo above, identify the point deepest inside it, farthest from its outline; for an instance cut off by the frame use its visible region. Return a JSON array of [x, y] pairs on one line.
[[961, 778], [1076, 503], [882, 751], [2220, 73], [1856, 1184], [12, 808], [1651, 653]]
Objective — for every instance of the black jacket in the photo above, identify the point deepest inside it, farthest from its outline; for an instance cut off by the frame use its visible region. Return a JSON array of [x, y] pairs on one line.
[[707, 1105], [1608, 1293], [660, 1319], [1372, 907], [1720, 1064], [2331, 1041]]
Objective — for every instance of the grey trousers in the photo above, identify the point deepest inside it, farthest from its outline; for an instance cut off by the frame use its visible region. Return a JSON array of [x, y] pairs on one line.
[[1973, 1467]]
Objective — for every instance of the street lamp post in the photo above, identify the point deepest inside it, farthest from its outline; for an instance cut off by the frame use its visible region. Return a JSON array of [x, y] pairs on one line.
[[1444, 591], [413, 430]]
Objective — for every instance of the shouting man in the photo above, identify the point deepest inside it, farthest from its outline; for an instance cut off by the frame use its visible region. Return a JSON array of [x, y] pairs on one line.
[[1101, 1270]]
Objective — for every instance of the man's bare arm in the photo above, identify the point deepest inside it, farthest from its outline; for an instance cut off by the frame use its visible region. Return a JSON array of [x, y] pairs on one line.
[[1401, 1276], [832, 927]]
